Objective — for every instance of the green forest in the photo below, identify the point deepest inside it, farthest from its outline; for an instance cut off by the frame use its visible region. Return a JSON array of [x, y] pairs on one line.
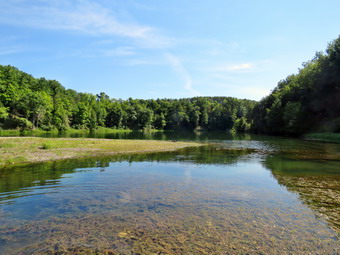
[[30, 103], [301, 103], [308, 101]]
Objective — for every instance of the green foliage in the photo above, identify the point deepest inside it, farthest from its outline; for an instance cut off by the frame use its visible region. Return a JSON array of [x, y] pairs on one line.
[[159, 121], [241, 125], [3, 112], [22, 123], [291, 116], [46, 146], [29, 103], [304, 102]]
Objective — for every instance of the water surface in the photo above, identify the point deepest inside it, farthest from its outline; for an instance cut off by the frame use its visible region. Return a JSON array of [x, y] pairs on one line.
[[255, 195]]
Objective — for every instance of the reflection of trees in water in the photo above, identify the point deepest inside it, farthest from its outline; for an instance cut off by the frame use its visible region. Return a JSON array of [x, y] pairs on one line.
[[16, 178], [317, 183], [177, 135], [174, 224]]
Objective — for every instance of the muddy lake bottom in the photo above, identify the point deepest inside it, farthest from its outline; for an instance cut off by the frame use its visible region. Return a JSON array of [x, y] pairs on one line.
[[205, 200]]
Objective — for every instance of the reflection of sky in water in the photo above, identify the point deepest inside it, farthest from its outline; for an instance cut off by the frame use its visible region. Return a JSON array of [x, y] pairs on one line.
[[244, 184], [256, 145], [238, 194]]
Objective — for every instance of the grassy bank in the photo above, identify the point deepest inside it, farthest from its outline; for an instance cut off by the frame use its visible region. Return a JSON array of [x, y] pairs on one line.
[[21, 150], [326, 137]]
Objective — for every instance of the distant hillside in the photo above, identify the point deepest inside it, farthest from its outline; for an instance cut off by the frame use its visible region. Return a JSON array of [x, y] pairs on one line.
[[28, 103], [304, 102]]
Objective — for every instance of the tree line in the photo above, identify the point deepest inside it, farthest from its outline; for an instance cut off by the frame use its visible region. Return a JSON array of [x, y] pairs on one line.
[[28, 103], [303, 102]]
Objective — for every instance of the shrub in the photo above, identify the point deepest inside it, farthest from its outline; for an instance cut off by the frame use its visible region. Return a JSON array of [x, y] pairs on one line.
[[46, 146]]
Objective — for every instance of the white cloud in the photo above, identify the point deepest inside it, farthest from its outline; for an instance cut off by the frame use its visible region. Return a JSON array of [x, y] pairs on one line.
[[235, 67], [254, 92], [259, 66], [82, 16], [178, 67], [241, 89]]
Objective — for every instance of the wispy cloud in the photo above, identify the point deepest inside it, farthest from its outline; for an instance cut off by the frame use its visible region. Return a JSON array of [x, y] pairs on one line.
[[120, 51], [82, 16], [254, 92], [9, 51], [240, 88], [235, 67], [218, 48], [9, 45], [258, 66], [178, 67], [245, 66], [140, 62]]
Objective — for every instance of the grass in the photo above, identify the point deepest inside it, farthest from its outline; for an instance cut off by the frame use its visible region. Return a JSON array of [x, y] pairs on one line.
[[13, 132], [21, 150], [327, 137], [46, 146]]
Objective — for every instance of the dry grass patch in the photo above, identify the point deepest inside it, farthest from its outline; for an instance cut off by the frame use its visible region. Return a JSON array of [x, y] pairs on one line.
[[15, 150]]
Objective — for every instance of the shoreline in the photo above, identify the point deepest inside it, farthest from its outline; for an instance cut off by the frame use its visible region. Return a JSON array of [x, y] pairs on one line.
[[323, 137], [27, 150]]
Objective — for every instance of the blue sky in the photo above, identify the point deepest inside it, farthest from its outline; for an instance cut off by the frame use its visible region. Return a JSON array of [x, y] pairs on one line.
[[165, 49]]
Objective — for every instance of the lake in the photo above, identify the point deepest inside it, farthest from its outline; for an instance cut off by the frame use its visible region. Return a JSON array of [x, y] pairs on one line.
[[242, 194]]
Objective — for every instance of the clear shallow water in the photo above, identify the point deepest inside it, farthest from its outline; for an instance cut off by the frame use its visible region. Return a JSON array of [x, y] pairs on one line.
[[262, 196]]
